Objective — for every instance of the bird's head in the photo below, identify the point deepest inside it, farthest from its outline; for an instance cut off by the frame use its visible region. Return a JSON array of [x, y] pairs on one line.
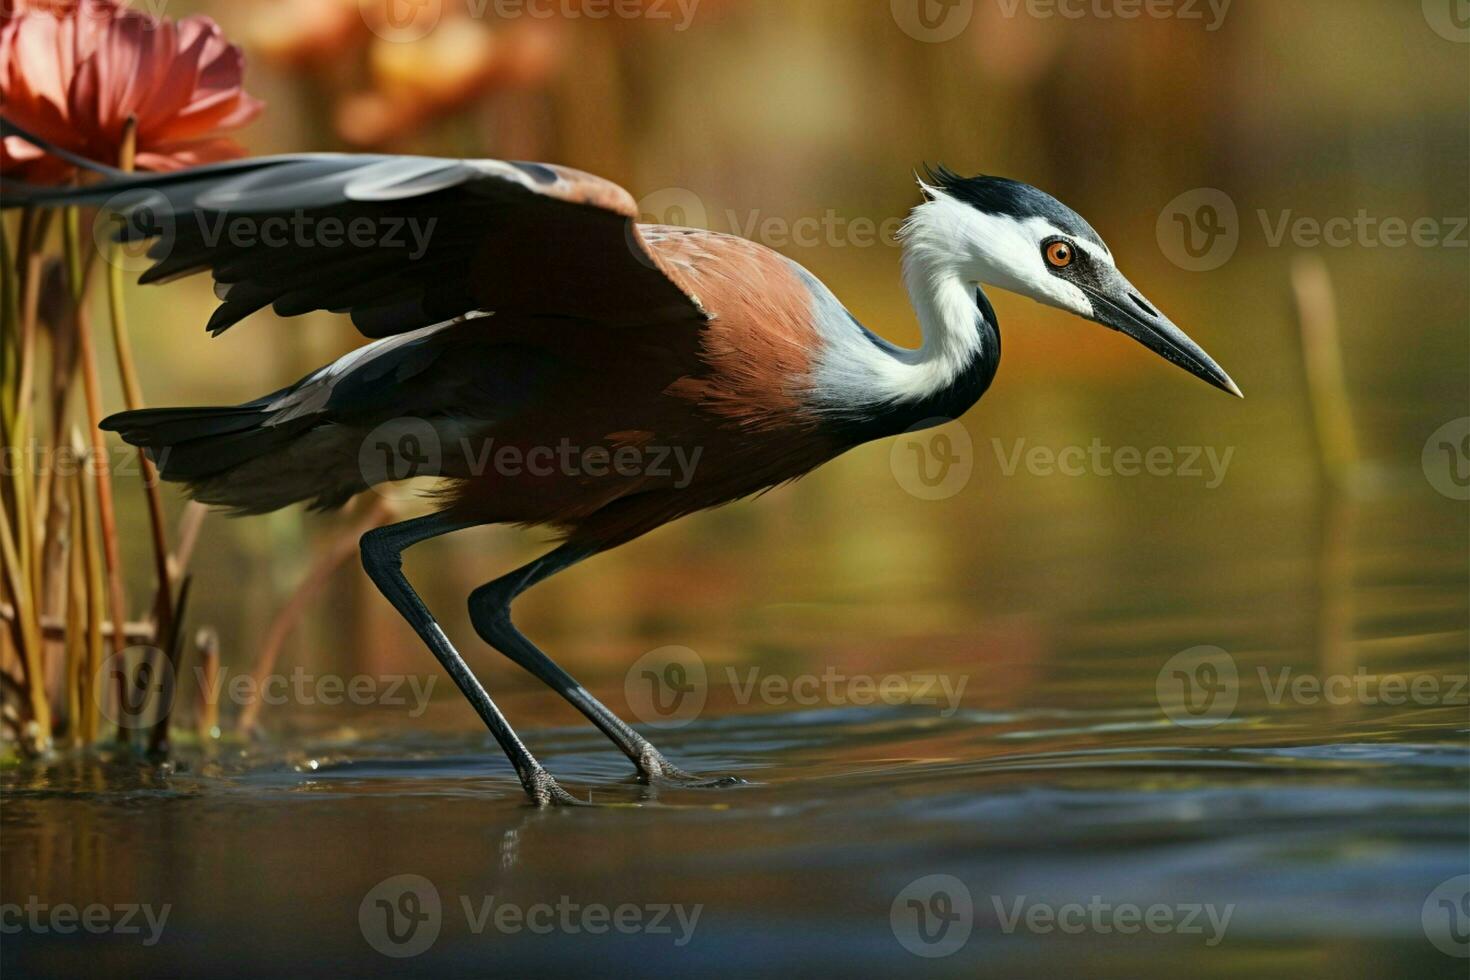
[[1012, 236]]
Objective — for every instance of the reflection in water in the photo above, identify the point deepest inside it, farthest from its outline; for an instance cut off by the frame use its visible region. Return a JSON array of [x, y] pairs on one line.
[[1332, 844], [1053, 802], [1334, 579]]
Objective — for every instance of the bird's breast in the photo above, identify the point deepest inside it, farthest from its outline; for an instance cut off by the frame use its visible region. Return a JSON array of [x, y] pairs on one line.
[[760, 341]]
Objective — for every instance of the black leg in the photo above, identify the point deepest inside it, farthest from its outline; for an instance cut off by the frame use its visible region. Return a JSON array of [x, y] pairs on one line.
[[382, 556], [490, 614]]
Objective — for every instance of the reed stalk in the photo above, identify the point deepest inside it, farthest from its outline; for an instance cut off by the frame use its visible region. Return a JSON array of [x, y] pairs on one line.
[[9, 392], [18, 547], [61, 563], [92, 392], [312, 584], [174, 654], [206, 648], [1316, 303], [78, 616], [32, 643], [92, 560], [133, 398]]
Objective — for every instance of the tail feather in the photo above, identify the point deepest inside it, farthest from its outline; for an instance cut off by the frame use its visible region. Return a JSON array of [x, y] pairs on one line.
[[155, 427], [234, 457], [307, 441], [188, 443]]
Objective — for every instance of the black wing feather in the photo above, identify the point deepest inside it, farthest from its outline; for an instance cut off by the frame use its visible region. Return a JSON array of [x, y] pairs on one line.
[[447, 238]]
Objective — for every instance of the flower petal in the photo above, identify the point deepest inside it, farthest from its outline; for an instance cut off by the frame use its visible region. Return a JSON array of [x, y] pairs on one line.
[[188, 153], [76, 77]]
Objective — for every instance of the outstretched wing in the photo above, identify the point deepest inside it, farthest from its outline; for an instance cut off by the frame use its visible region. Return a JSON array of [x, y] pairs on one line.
[[397, 242]]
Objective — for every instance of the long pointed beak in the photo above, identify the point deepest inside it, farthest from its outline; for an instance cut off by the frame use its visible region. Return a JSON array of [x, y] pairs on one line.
[[1116, 304]]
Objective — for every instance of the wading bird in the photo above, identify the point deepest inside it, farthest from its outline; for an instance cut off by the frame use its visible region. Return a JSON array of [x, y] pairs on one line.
[[538, 312]]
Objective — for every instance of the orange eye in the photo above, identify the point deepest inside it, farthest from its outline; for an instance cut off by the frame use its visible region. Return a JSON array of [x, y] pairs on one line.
[[1060, 255]]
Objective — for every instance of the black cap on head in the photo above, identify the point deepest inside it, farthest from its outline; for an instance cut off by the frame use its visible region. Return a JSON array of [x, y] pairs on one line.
[[1011, 198]]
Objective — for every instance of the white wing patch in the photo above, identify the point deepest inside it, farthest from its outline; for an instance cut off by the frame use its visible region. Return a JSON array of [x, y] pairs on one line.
[[311, 396]]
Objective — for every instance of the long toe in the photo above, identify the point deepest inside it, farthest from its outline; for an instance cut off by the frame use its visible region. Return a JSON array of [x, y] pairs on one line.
[[678, 779], [560, 797], [544, 791]]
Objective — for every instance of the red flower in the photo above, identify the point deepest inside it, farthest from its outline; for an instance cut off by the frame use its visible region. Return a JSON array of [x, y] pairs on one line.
[[9, 9], [74, 72]]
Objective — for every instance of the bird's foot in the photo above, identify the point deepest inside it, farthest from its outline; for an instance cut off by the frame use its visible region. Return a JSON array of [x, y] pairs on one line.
[[544, 791], [658, 771]]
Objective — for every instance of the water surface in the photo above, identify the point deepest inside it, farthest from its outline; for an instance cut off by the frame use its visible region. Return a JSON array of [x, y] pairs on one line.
[[1081, 818]]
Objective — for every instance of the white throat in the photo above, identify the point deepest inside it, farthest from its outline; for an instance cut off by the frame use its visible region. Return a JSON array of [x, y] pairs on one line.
[[943, 298], [856, 370]]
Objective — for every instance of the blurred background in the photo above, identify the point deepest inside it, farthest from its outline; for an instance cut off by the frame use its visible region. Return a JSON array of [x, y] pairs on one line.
[[1329, 538], [800, 123]]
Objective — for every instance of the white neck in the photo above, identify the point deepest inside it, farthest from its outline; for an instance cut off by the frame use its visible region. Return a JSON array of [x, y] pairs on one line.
[[855, 370], [944, 301]]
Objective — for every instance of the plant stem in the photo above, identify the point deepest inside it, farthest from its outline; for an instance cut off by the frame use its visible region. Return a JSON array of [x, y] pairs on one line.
[[91, 554], [206, 647], [31, 650], [21, 434], [17, 527], [312, 584], [133, 398], [77, 601], [9, 332], [1316, 301], [92, 388]]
